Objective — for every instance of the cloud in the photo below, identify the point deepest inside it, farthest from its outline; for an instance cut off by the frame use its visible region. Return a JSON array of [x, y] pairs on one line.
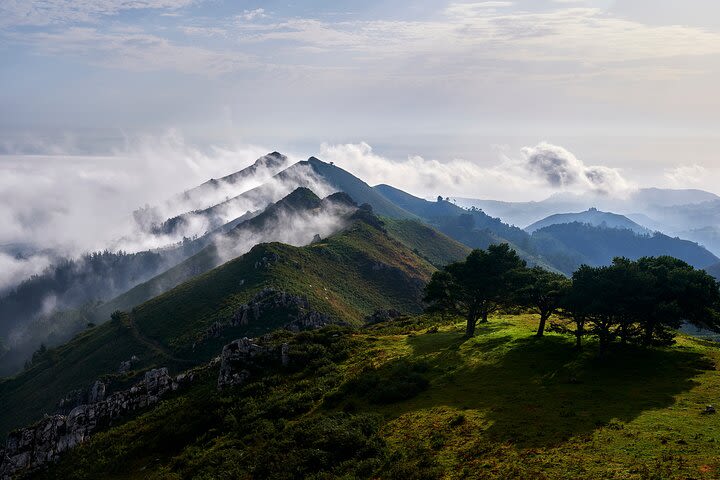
[[538, 172], [70, 204], [130, 49], [49, 12], [684, 176], [562, 170], [14, 269], [243, 200], [296, 228], [429, 178], [250, 15]]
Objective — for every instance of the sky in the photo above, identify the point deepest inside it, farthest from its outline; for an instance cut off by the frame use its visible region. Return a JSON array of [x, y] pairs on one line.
[[107, 105]]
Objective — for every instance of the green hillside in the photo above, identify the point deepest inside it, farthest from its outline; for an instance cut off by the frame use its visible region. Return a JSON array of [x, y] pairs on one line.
[[347, 276], [360, 191], [300, 200], [432, 245], [401, 400], [470, 227]]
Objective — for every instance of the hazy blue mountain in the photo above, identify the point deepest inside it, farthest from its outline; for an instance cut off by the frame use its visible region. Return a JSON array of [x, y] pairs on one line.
[[647, 201], [569, 245], [593, 217]]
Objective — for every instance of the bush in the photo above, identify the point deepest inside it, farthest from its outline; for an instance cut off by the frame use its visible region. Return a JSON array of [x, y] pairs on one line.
[[390, 384]]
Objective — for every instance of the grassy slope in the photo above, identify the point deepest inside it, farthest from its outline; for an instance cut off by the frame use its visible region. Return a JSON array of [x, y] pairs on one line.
[[503, 405], [483, 231], [340, 276], [434, 246]]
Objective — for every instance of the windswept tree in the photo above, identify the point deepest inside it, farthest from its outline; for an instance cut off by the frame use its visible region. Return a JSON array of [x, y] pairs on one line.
[[641, 301], [476, 287], [680, 294], [542, 291]]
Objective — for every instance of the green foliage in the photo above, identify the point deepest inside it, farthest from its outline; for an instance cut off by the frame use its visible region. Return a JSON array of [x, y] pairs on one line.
[[501, 405], [640, 301], [392, 383], [346, 276], [476, 287], [541, 291]]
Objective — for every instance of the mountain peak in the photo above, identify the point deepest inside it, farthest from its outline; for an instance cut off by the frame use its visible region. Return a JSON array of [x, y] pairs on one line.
[[591, 216]]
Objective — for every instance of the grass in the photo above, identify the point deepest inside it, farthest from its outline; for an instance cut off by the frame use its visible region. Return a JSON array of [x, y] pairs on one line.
[[501, 405], [347, 275]]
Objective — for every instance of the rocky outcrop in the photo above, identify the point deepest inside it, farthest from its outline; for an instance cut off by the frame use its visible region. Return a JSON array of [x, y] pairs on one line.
[[382, 316], [75, 398], [241, 357], [309, 320], [266, 261], [31, 447], [126, 366], [296, 308]]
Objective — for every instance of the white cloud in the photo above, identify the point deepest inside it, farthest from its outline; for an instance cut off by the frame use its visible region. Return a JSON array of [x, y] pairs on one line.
[[541, 170], [134, 50], [429, 178], [15, 269], [48, 12], [250, 15], [562, 170], [72, 204], [684, 176]]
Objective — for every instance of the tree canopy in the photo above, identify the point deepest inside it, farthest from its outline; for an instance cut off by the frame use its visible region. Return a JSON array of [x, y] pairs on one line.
[[476, 287], [642, 301]]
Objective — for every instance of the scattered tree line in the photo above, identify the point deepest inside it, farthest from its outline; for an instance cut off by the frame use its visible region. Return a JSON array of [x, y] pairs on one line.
[[636, 301]]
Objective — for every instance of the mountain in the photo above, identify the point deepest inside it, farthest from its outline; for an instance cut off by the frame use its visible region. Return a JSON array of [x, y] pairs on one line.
[[471, 227], [278, 223], [569, 245], [341, 278], [668, 197], [360, 191], [593, 217], [263, 168], [647, 201], [322, 178], [151, 218], [295, 219], [411, 398]]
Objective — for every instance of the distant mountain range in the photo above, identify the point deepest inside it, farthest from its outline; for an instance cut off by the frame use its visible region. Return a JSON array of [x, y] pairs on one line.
[[690, 214], [271, 201], [640, 201], [593, 217]]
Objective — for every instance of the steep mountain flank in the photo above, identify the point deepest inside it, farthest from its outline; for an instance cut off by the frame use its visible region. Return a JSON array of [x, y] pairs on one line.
[[342, 278]]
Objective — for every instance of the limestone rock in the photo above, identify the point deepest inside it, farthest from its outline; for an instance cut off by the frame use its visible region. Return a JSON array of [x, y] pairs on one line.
[[31, 447]]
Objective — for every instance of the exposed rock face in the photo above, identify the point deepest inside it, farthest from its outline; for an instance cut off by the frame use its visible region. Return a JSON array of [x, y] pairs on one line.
[[266, 261], [382, 316], [31, 447], [241, 357], [297, 309], [127, 365], [308, 320], [75, 398]]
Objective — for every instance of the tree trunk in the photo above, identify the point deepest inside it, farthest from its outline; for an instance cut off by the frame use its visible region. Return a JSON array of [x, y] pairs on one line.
[[649, 330], [541, 327], [579, 331], [470, 329], [484, 316], [603, 338]]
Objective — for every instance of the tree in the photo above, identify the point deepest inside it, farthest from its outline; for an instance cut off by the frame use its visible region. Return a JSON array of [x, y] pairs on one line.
[[476, 287], [641, 301], [680, 293], [542, 291]]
